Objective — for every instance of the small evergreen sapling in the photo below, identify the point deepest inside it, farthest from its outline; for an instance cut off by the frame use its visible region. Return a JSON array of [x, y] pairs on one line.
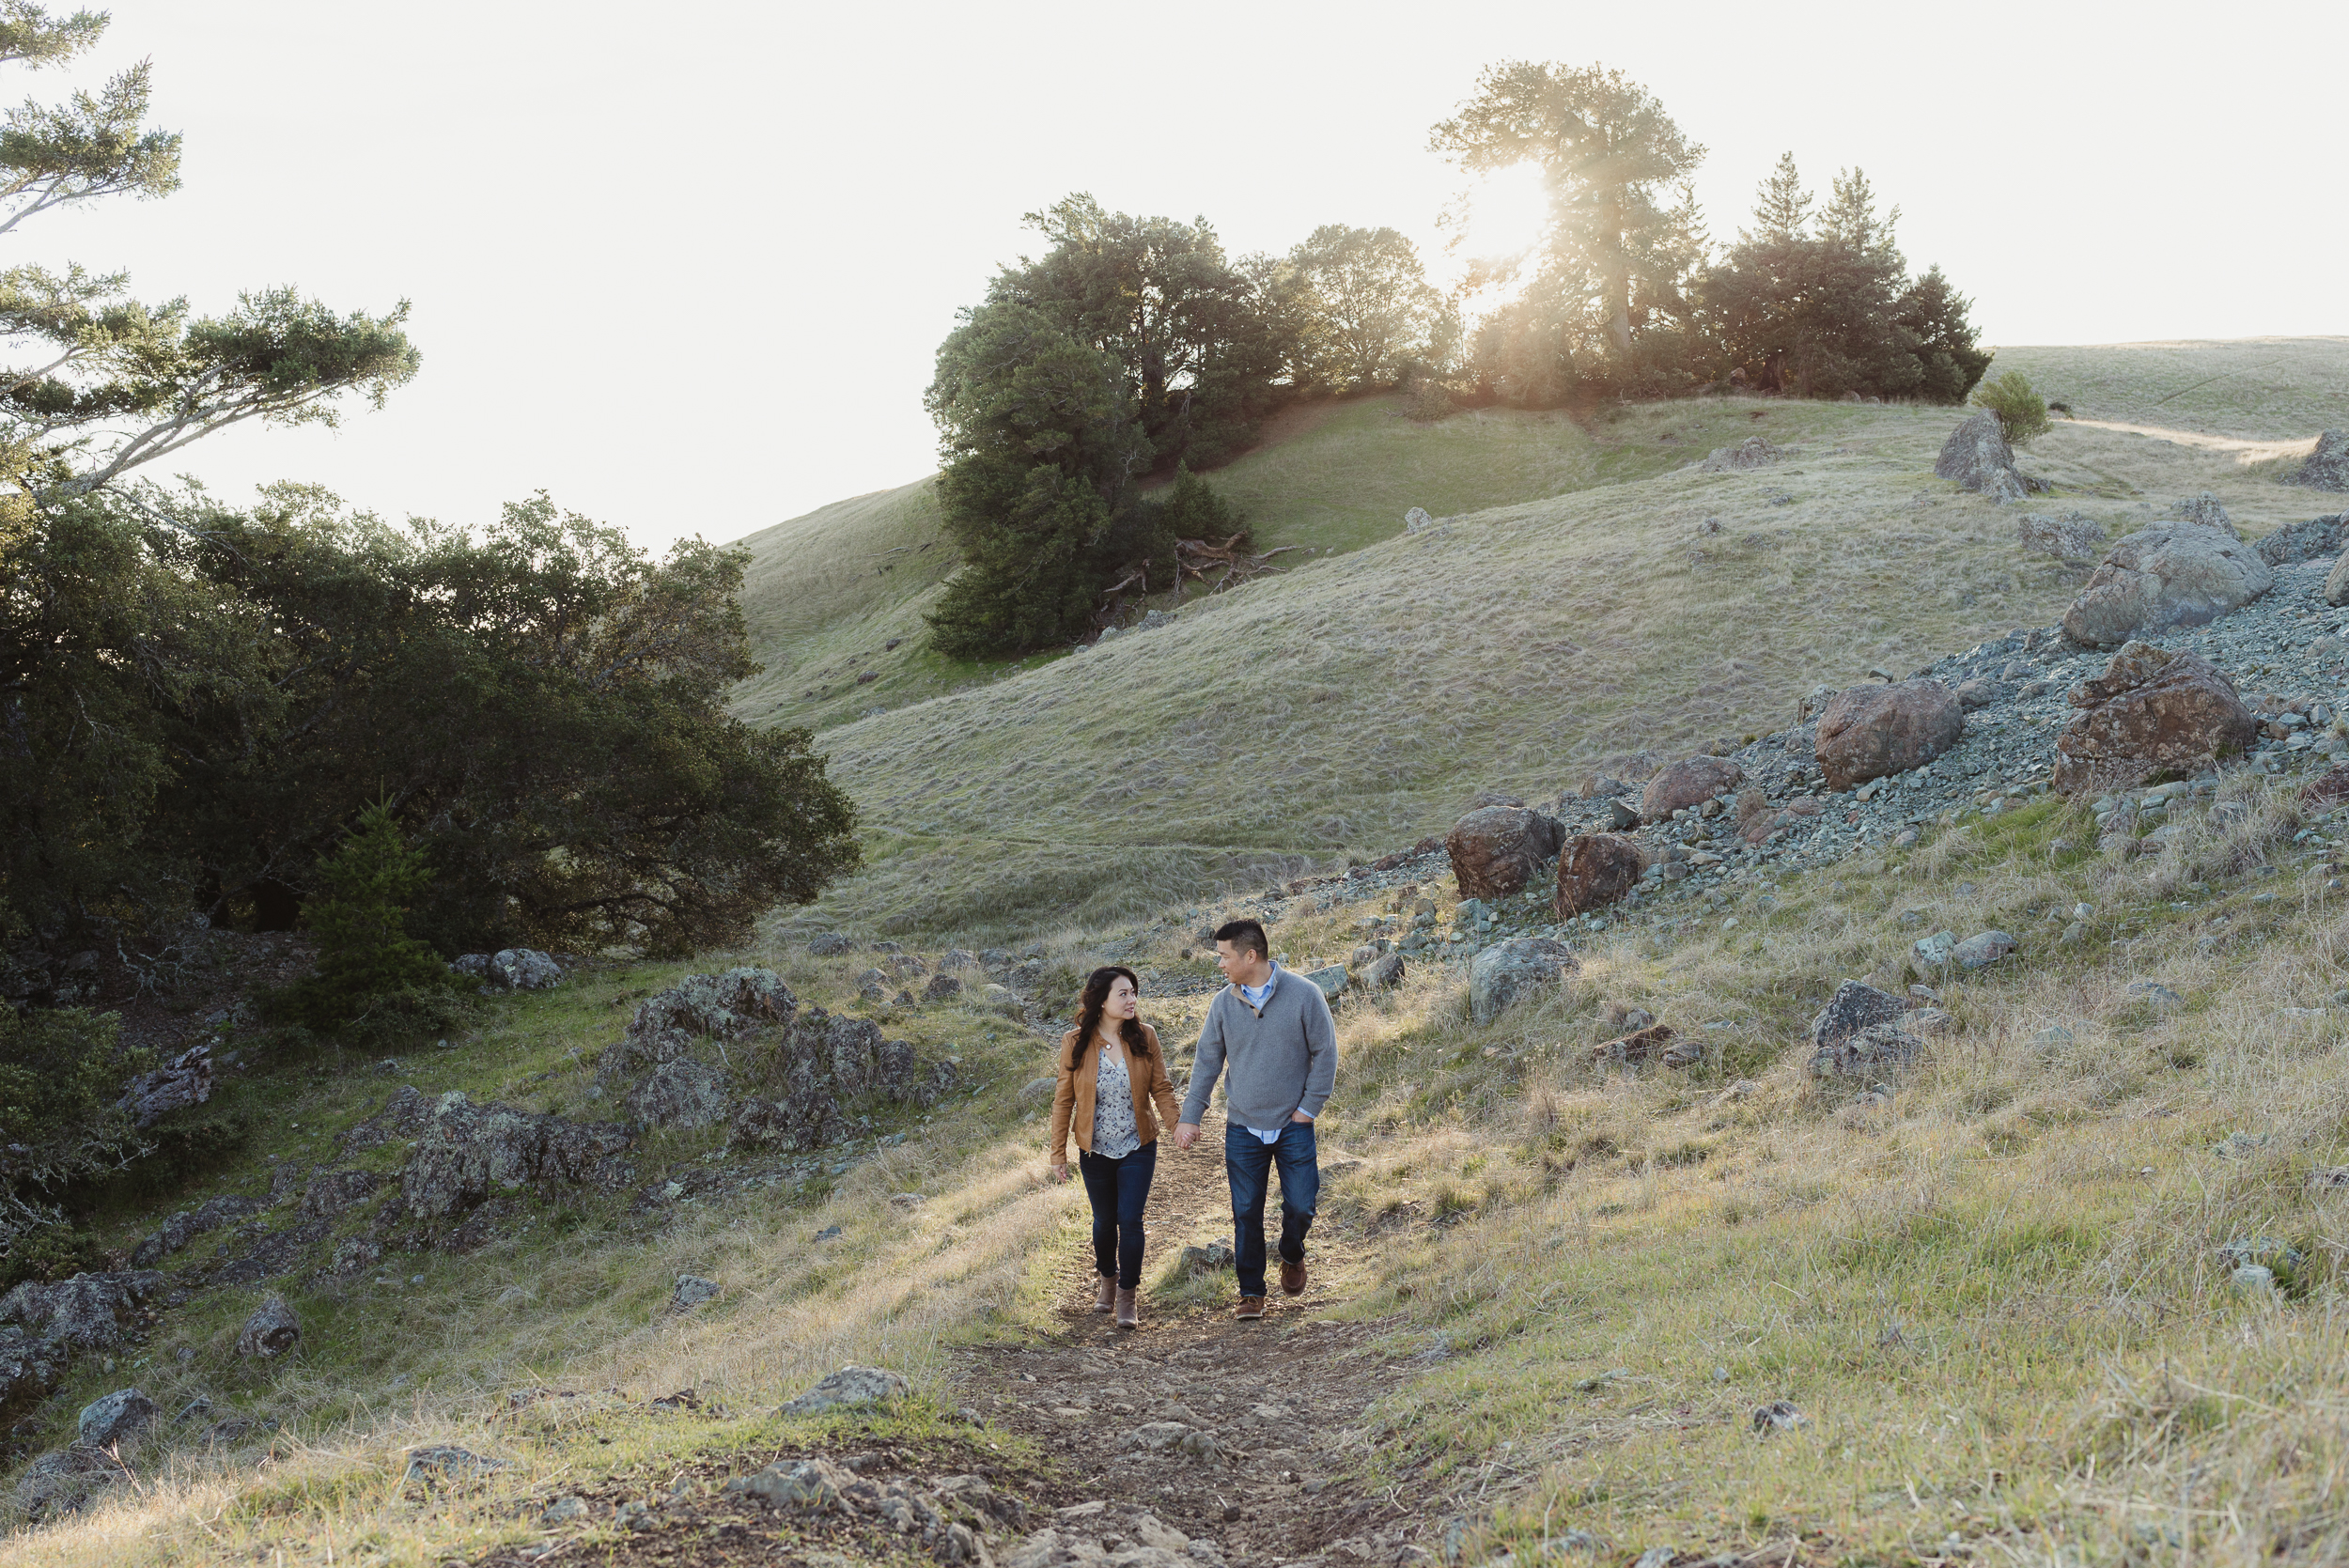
[[2022, 413], [364, 951]]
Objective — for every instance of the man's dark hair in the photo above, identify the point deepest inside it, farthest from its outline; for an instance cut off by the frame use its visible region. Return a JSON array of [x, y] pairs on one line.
[[1246, 935]]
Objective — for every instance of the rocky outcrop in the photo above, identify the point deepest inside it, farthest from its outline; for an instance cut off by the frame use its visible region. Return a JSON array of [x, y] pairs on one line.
[[273, 1331], [2327, 467], [1977, 456], [2071, 539], [1691, 782], [185, 1080], [805, 1072], [330, 1193], [1494, 852], [468, 1153], [184, 1227], [2312, 540], [1596, 870], [2205, 510], [1870, 731], [89, 1311], [2181, 573], [700, 1007], [1751, 453], [2152, 711], [1508, 973], [681, 1093]]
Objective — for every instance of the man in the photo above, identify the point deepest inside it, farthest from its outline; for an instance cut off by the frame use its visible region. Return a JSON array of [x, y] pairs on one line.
[[1273, 1029]]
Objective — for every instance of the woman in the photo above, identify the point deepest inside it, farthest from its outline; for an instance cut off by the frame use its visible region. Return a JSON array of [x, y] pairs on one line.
[[1111, 1073]]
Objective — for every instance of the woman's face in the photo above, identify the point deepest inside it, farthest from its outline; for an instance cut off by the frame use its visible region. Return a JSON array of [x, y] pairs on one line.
[[1122, 1004]]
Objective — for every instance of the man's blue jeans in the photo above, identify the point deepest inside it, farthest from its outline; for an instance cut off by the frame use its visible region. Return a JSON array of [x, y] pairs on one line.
[[1248, 1162]]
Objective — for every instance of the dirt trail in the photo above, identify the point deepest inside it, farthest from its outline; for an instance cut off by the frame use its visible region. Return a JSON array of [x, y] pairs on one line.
[[1283, 1400], [1282, 1397], [2244, 450]]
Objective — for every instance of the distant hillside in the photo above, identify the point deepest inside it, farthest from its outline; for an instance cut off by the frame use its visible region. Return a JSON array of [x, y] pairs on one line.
[[2286, 388]]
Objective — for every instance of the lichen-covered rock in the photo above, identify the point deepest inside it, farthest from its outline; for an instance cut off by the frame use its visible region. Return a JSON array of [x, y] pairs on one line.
[[466, 1153], [1496, 851], [666, 1026], [2153, 710], [114, 1419], [2327, 466], [1879, 1048], [1383, 973], [849, 1387], [1853, 1008], [2313, 540], [1870, 731], [2181, 573], [185, 1080], [61, 1481], [513, 968], [273, 1331], [681, 1093], [89, 1311], [330, 1193], [1977, 456], [185, 1226], [942, 988], [1509, 971], [2072, 537]]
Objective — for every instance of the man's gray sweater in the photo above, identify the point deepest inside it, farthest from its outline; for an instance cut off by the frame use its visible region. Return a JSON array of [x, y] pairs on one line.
[[1283, 1059]]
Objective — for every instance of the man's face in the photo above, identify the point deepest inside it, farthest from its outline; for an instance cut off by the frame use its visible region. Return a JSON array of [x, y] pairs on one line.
[[1239, 965]]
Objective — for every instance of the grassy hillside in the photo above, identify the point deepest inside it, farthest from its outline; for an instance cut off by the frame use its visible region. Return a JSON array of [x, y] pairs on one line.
[[2286, 388], [1361, 700]]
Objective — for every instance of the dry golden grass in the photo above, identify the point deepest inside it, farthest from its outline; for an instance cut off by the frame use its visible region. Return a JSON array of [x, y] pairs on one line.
[[2276, 388]]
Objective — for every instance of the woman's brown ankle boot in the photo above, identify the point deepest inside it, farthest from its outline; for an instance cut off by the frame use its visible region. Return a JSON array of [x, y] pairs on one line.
[[1106, 1300], [1129, 1312]]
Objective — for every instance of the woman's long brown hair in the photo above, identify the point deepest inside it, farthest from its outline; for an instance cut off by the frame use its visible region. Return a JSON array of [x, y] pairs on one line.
[[1096, 1001]]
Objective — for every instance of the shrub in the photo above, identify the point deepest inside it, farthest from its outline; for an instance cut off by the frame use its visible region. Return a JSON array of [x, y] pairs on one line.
[[2022, 413], [61, 1072]]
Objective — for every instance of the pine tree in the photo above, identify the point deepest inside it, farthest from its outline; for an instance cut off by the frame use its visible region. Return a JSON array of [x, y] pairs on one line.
[[364, 951], [1782, 206]]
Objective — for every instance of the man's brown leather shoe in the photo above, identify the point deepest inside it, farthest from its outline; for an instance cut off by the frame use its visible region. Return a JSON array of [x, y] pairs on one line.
[[1251, 1309], [1106, 1302], [1129, 1313], [1292, 1277]]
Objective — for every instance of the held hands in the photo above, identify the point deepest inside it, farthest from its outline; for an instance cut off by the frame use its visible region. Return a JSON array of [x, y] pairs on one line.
[[1186, 1134]]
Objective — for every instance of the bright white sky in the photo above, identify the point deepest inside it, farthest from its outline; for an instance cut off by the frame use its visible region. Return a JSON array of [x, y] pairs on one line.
[[685, 268]]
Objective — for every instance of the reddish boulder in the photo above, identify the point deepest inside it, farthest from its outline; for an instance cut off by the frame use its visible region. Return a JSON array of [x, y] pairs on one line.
[[1870, 731], [2325, 791], [1596, 869], [1495, 850], [2152, 711], [1691, 782], [1758, 828]]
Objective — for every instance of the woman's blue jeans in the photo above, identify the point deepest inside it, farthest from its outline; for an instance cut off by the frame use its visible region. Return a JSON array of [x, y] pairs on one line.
[[1119, 1190]]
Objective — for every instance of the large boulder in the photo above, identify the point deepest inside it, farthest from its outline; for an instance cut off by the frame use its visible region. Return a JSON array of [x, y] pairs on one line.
[[2177, 573], [1978, 457], [2152, 711], [1870, 731], [1497, 850], [513, 968], [2071, 537], [2327, 467], [1689, 782], [1751, 453], [2315, 539], [1509, 971], [185, 1080], [466, 1153], [2337, 582], [1596, 869]]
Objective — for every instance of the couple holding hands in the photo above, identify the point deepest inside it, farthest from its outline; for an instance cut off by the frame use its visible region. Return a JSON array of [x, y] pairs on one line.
[[1271, 1035]]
